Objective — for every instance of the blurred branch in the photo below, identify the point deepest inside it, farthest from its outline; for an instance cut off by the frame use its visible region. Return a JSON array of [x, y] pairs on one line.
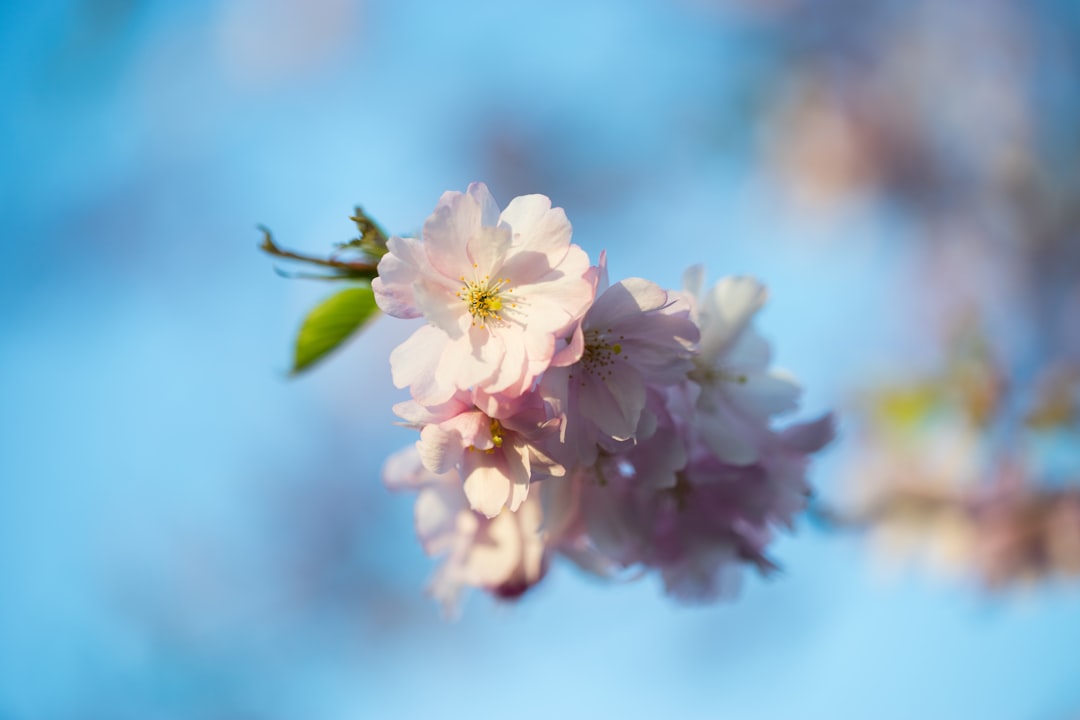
[[339, 269]]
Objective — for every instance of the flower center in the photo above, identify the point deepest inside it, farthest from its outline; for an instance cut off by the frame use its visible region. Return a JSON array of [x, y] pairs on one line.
[[497, 437], [600, 353], [485, 299], [496, 433]]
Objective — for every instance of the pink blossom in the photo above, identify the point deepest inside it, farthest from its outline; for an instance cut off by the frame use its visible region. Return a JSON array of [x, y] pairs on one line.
[[740, 392], [717, 517], [496, 450], [497, 290], [635, 336], [504, 555]]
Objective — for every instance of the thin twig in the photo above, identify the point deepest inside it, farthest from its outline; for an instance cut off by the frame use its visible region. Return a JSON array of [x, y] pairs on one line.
[[360, 270]]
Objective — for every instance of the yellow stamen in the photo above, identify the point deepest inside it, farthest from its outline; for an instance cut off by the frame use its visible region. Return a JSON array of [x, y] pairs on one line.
[[484, 299]]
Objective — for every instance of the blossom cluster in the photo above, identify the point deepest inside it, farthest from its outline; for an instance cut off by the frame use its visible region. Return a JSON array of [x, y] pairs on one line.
[[618, 425]]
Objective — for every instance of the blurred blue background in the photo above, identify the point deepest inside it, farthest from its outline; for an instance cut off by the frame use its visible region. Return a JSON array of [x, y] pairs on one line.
[[186, 533]]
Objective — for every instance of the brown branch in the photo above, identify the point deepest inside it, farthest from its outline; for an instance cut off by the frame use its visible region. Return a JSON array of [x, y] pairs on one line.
[[352, 269]]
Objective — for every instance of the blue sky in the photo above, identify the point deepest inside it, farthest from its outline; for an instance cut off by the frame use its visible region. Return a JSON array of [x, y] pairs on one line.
[[185, 533]]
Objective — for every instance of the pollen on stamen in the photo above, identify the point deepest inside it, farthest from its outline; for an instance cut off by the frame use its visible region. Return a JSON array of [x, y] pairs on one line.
[[484, 299]]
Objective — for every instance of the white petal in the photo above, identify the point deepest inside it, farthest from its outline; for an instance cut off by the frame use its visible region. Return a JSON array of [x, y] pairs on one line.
[[435, 515], [442, 308], [413, 361], [440, 449], [517, 461], [489, 209], [404, 471], [740, 297], [403, 266], [447, 231], [762, 395], [727, 310], [749, 350], [412, 412], [693, 280], [487, 485], [496, 555]]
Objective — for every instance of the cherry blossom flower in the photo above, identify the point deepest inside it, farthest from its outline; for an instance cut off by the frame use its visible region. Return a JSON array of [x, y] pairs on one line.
[[497, 454], [624, 427], [720, 516], [504, 555], [740, 392], [700, 530], [497, 290], [635, 336]]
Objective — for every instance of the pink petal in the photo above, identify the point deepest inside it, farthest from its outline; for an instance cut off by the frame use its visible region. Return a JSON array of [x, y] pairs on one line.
[[810, 436], [599, 274], [514, 366], [729, 436], [470, 360], [447, 231], [541, 463], [517, 461], [571, 352], [443, 308], [412, 360], [541, 236], [415, 413], [554, 388], [489, 209], [398, 273], [487, 249], [474, 429], [624, 301], [614, 415], [553, 303], [415, 364]]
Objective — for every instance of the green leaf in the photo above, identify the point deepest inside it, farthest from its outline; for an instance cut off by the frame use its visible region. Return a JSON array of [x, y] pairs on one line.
[[331, 323]]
